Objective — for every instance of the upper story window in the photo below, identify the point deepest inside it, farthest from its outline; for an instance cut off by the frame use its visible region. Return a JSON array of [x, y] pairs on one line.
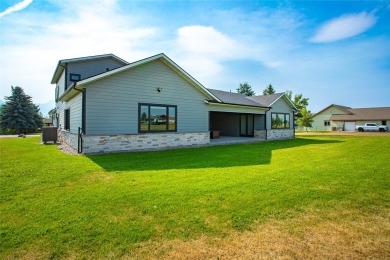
[[157, 118], [75, 77], [280, 120], [326, 123]]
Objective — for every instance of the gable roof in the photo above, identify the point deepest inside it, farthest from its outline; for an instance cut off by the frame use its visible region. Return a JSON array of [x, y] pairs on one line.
[[269, 100], [342, 108], [234, 98], [364, 114], [59, 69], [162, 57]]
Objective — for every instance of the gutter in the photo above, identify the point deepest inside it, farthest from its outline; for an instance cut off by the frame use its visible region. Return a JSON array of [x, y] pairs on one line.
[[231, 104], [83, 106]]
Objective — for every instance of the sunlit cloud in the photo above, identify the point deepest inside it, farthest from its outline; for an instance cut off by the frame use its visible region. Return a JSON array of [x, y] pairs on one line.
[[17, 7], [344, 27]]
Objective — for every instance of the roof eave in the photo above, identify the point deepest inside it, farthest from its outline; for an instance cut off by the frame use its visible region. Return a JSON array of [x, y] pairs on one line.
[[166, 61], [211, 102]]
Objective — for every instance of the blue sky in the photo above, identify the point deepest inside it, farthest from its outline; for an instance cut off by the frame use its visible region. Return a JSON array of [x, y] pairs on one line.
[[334, 52]]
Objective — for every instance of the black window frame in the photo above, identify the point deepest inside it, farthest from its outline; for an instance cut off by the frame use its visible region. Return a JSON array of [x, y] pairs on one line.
[[284, 120], [74, 75], [67, 119], [149, 105], [326, 122]]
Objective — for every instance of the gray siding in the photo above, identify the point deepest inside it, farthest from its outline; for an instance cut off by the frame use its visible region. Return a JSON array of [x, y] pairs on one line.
[[75, 105], [91, 68], [259, 122], [280, 106], [112, 102], [61, 84], [75, 113], [60, 107]]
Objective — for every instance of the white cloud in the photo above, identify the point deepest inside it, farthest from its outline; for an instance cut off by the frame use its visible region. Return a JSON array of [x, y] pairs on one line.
[[17, 7], [344, 27], [37, 40], [206, 40]]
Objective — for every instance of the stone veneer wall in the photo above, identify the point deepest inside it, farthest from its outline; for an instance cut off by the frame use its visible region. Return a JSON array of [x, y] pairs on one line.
[[139, 142], [260, 134], [69, 138], [275, 134]]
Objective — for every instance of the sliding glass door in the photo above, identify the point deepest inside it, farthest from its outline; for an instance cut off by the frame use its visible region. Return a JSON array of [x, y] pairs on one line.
[[246, 125]]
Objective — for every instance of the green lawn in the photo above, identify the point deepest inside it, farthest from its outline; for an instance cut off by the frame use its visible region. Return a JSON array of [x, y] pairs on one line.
[[54, 205]]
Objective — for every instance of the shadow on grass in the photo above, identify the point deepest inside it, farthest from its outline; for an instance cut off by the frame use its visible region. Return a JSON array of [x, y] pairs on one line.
[[203, 157]]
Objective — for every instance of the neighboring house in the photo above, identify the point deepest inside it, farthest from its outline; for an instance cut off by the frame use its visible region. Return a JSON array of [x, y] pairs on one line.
[[336, 117], [47, 121], [105, 104]]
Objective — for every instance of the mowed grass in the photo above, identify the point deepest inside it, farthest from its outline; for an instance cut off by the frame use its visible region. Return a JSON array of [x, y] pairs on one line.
[[315, 196]]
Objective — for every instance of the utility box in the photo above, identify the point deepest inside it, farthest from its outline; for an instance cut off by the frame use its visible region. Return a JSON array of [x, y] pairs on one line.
[[49, 134]]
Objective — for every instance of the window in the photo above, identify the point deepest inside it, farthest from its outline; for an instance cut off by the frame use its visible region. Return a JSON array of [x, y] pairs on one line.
[[280, 120], [57, 93], [67, 119], [157, 118], [75, 77], [326, 123]]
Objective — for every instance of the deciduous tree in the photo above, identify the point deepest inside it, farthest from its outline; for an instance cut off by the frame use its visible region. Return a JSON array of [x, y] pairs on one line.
[[306, 118]]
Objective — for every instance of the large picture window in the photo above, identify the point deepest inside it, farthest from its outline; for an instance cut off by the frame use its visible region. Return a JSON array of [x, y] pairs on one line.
[[280, 120], [157, 118]]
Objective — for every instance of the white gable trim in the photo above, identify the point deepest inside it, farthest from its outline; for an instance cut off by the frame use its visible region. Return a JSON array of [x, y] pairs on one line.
[[160, 56], [285, 98], [60, 68]]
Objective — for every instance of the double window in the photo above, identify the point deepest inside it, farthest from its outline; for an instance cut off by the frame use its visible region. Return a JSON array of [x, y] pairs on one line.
[[280, 121], [326, 123], [157, 118]]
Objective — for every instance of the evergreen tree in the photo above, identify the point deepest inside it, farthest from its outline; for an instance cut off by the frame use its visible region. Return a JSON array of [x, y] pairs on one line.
[[269, 90], [19, 113], [245, 89]]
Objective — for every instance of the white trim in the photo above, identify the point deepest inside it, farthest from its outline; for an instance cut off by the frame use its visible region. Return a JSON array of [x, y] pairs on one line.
[[285, 97], [94, 57], [61, 62], [166, 61]]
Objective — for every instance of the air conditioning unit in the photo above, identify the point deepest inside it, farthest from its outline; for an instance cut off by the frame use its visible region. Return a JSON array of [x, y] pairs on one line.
[[49, 134]]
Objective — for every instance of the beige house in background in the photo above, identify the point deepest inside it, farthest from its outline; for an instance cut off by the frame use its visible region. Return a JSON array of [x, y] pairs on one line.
[[342, 118]]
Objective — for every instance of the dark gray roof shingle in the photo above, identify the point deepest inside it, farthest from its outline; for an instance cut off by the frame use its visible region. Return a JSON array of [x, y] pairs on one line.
[[266, 100], [234, 98]]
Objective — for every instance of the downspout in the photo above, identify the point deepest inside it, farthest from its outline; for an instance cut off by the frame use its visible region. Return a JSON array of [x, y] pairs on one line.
[[83, 115], [265, 123], [294, 111]]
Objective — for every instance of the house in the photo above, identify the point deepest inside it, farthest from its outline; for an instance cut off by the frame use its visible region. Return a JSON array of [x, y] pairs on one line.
[[47, 121], [336, 117], [105, 104]]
